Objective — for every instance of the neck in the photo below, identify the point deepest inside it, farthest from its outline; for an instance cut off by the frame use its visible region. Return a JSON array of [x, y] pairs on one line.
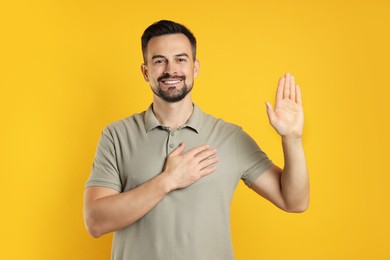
[[173, 115]]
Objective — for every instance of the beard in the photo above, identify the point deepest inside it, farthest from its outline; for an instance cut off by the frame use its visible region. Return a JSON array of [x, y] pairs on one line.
[[172, 94]]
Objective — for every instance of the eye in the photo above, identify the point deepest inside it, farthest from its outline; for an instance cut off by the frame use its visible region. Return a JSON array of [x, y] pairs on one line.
[[159, 61], [181, 59]]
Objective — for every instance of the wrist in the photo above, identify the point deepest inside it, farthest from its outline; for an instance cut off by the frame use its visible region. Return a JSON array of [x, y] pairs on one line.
[[292, 140], [167, 183]]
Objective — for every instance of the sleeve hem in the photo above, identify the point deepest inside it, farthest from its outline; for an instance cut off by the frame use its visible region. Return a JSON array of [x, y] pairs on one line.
[[251, 177], [103, 184]]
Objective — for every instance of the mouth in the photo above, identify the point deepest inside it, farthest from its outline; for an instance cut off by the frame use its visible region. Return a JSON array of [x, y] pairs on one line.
[[171, 82]]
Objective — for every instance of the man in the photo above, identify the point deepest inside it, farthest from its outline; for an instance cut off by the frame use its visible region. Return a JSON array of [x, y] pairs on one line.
[[163, 179]]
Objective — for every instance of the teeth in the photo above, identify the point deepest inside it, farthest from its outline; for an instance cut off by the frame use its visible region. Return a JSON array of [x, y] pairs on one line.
[[171, 81]]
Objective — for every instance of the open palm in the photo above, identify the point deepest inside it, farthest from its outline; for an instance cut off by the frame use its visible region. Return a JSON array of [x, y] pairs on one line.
[[287, 115]]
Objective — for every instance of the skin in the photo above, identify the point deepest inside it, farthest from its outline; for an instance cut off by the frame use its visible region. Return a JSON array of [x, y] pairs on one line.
[[289, 188], [106, 210]]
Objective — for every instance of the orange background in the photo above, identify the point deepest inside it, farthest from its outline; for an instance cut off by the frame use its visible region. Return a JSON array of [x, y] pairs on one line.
[[69, 68]]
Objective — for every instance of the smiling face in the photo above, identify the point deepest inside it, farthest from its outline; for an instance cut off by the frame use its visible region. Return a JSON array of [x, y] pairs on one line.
[[170, 67]]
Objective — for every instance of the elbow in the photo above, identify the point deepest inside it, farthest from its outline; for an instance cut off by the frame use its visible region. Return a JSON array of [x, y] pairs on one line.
[[93, 231], [92, 226], [297, 207]]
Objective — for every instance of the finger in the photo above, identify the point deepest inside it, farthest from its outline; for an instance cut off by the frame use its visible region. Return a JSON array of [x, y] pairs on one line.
[[208, 162], [178, 150], [292, 88], [286, 93], [279, 91], [194, 151], [298, 95], [270, 112], [206, 154], [208, 170]]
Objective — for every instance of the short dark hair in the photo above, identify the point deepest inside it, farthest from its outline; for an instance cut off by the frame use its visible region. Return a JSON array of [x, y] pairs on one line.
[[164, 27]]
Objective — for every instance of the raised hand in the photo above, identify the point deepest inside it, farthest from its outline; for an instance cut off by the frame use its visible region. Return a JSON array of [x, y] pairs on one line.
[[287, 115], [186, 168]]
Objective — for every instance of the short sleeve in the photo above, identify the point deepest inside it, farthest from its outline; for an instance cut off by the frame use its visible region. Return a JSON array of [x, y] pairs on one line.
[[252, 160], [105, 171]]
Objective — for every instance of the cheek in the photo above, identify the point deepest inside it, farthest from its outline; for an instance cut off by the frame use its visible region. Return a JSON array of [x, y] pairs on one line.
[[192, 74], [153, 75]]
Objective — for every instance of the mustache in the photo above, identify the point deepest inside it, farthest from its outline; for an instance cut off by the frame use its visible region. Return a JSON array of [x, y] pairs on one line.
[[169, 76]]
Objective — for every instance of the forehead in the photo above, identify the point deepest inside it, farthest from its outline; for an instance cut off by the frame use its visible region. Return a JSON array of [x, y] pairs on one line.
[[169, 45]]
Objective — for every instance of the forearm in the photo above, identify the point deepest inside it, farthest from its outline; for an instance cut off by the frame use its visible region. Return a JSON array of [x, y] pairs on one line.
[[295, 181], [111, 213]]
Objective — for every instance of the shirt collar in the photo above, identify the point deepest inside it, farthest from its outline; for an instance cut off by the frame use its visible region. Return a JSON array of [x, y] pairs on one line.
[[194, 122], [150, 120]]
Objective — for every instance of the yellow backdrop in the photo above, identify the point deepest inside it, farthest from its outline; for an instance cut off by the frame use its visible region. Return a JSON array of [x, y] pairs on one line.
[[69, 68]]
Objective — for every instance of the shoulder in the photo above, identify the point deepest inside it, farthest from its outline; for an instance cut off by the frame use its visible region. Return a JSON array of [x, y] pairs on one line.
[[123, 126], [212, 123], [227, 131]]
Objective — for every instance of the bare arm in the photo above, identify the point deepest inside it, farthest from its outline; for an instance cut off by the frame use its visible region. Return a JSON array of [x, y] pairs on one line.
[[106, 210], [288, 188]]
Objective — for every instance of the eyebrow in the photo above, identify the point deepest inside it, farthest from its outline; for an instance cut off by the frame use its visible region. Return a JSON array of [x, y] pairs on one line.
[[182, 54], [177, 55], [157, 57]]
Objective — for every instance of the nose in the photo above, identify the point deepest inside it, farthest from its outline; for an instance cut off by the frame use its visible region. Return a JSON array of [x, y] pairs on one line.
[[170, 68]]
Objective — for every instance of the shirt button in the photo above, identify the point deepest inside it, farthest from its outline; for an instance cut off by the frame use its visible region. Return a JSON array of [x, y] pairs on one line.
[[172, 133], [171, 145]]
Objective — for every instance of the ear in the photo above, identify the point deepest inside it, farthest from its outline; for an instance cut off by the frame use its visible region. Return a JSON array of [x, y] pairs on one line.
[[144, 70], [196, 68]]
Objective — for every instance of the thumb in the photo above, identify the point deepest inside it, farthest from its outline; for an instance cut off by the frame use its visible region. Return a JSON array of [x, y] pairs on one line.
[[270, 112], [178, 150]]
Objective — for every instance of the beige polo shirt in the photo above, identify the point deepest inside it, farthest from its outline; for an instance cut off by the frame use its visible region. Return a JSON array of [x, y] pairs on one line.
[[188, 224]]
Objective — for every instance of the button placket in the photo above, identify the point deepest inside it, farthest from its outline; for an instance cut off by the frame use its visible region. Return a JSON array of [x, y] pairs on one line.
[[171, 141]]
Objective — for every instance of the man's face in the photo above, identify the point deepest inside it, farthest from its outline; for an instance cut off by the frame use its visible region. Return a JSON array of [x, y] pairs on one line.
[[170, 67]]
